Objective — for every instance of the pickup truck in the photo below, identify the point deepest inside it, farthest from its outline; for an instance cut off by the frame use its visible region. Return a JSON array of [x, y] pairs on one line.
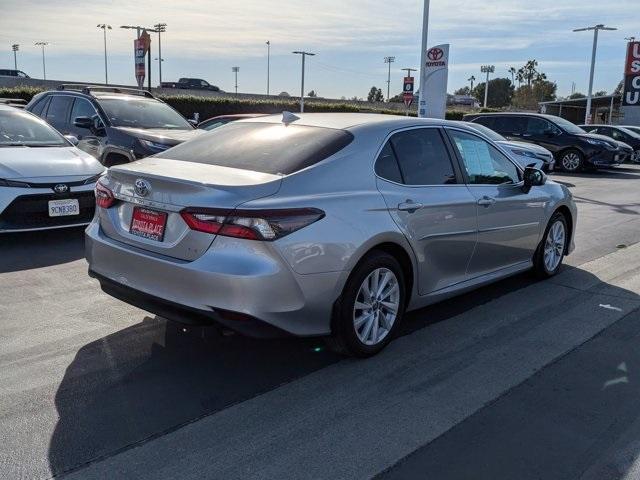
[[191, 84]]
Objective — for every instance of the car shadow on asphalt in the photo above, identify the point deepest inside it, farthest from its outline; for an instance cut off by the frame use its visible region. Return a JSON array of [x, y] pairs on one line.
[[155, 376], [617, 173], [27, 250]]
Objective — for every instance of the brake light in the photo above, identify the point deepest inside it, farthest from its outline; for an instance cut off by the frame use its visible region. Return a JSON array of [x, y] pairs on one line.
[[104, 196], [266, 225]]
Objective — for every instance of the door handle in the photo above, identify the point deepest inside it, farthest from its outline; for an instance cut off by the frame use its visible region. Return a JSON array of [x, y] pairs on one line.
[[486, 201], [409, 206]]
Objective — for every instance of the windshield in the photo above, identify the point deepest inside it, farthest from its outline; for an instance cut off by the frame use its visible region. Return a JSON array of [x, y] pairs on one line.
[[262, 147], [567, 126], [486, 131], [143, 113], [632, 133], [19, 128]]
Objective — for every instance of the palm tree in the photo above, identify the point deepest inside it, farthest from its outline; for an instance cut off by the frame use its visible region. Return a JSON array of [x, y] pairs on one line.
[[512, 71]]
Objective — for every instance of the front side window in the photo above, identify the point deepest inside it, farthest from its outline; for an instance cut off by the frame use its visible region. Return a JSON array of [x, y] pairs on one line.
[[423, 157], [510, 124], [485, 164], [567, 126], [82, 108], [142, 113], [619, 135], [23, 129], [539, 126], [486, 121]]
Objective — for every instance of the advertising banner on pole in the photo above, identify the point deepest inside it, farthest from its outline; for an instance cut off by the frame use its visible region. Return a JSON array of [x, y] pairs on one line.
[[407, 91], [631, 94], [140, 48], [433, 86]]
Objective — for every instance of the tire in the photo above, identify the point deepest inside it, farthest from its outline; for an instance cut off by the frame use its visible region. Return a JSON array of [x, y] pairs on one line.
[[363, 332], [572, 160], [552, 249]]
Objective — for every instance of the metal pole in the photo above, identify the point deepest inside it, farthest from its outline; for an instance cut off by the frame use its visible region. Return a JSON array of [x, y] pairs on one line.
[[106, 75], [389, 82], [486, 90], [422, 102], [149, 67], [268, 63], [302, 87], [236, 82], [611, 111], [159, 58], [593, 66], [15, 60]]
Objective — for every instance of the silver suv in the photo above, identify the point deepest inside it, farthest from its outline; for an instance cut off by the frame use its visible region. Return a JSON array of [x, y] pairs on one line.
[[323, 224]]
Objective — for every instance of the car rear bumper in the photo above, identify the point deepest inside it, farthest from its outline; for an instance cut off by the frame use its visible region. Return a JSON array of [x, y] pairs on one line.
[[241, 284]]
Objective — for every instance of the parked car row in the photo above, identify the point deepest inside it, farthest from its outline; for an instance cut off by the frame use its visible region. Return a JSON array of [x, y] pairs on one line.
[[574, 149]]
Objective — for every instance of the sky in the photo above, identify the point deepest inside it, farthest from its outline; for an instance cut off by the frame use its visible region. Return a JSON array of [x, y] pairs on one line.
[[206, 38]]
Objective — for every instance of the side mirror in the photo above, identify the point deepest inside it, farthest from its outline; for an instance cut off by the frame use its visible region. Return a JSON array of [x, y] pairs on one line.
[[533, 177], [83, 122], [72, 139]]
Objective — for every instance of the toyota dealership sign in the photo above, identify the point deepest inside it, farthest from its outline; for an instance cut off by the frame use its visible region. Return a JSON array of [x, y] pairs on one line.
[[631, 96], [433, 91]]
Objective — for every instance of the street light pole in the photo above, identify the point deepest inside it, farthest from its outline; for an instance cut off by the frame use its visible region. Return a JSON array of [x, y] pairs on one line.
[[236, 70], [487, 69], [471, 79], [596, 29], [304, 55], [44, 67], [15, 47], [268, 63], [389, 60], [160, 28], [104, 28]]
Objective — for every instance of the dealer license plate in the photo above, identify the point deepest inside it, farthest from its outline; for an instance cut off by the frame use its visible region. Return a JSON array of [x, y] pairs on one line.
[[148, 223]]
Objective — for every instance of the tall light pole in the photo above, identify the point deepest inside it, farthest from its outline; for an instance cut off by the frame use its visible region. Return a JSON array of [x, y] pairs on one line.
[[304, 56], [268, 63], [389, 60], [160, 28], [236, 70], [487, 69], [422, 101], [471, 79], [15, 47], [44, 67], [596, 29], [104, 28]]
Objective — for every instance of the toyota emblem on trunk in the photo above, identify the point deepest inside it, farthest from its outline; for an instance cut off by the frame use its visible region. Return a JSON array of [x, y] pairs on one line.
[[61, 188], [141, 187]]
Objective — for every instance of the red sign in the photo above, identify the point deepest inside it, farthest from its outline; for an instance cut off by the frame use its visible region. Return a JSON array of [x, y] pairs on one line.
[[435, 57], [407, 94], [141, 46], [408, 99], [631, 93]]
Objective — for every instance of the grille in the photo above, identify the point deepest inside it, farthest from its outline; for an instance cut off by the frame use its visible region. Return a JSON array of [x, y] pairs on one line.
[[32, 211]]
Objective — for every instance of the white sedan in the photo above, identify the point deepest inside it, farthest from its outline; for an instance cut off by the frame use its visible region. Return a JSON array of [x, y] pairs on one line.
[[45, 181]]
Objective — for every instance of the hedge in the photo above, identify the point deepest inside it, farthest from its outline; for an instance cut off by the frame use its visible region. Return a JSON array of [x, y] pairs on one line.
[[209, 107]]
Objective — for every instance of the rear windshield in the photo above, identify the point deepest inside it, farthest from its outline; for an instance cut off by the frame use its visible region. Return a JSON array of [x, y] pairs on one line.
[[262, 147]]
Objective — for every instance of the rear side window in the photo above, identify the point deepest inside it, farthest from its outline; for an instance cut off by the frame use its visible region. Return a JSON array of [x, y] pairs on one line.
[[423, 157], [39, 107], [510, 124], [486, 121], [262, 147], [58, 109], [387, 165]]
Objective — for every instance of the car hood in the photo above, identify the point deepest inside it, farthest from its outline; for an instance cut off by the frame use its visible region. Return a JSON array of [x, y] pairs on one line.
[[161, 135], [39, 162], [526, 146], [624, 146], [596, 136]]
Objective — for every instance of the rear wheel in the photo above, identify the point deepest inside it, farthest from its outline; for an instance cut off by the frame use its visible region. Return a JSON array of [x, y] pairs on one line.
[[571, 160], [552, 249], [371, 307]]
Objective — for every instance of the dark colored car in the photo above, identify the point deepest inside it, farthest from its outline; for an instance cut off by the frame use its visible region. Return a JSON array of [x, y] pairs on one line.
[[191, 84], [220, 120], [573, 148], [9, 72], [621, 134], [115, 125]]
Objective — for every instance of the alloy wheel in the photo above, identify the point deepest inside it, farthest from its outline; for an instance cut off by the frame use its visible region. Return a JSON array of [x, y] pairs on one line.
[[554, 246], [376, 307], [571, 161]]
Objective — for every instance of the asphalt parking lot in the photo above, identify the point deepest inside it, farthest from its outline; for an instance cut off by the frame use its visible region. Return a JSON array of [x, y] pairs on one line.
[[522, 379]]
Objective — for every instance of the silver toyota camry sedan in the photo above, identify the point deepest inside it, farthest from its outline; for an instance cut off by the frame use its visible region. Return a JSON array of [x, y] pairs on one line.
[[327, 225], [45, 181]]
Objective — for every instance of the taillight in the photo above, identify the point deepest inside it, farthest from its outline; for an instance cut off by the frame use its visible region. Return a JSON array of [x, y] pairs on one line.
[[104, 196], [267, 225]]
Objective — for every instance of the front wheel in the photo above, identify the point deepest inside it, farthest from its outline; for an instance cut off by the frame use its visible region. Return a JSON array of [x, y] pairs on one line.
[[552, 249], [571, 161], [371, 307]]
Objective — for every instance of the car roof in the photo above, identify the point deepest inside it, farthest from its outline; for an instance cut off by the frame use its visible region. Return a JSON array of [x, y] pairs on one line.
[[346, 121], [514, 114]]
